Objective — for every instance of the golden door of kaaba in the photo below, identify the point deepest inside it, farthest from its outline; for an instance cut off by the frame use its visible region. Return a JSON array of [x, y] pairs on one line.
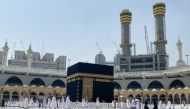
[[87, 90]]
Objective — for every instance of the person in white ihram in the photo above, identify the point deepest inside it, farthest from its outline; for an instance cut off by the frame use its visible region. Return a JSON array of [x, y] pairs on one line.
[[86, 104], [138, 105], [164, 105], [26, 102], [122, 105], [77, 104], [97, 102], [183, 105], [128, 102], [133, 104], [160, 104], [169, 105], [53, 103], [83, 103], [68, 103], [62, 102], [112, 104]]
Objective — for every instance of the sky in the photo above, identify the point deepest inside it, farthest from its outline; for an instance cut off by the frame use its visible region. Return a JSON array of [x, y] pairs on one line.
[[72, 27]]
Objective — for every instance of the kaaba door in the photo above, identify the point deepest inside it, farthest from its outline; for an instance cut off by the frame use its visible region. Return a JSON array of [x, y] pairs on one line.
[[87, 90]]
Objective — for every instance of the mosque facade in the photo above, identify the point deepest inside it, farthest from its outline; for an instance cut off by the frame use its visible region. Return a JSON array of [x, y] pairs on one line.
[[140, 76]]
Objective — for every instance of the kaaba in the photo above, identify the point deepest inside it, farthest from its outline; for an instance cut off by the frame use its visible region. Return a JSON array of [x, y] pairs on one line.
[[89, 81]]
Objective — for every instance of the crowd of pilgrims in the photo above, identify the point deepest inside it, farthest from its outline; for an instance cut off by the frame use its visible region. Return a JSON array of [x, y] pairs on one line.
[[25, 102], [165, 105], [53, 103]]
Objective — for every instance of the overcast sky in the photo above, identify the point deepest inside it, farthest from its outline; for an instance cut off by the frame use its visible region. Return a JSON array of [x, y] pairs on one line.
[[72, 27]]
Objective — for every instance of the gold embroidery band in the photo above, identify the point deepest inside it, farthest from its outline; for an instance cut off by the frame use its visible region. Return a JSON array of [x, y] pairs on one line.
[[90, 75]]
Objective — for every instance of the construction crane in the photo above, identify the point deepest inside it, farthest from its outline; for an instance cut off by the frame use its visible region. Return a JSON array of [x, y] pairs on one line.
[[146, 41], [100, 50], [13, 50], [22, 46], [151, 47], [115, 45]]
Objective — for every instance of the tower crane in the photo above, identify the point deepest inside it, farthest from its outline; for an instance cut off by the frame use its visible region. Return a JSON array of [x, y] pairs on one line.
[[13, 50], [115, 45], [147, 41], [22, 45], [100, 50]]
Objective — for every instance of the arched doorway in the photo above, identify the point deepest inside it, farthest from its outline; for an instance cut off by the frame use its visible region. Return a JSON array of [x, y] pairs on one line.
[[176, 84], [183, 98], [155, 85], [154, 98], [12, 81], [176, 99], [116, 85], [170, 98], [34, 96], [37, 82], [6, 96], [50, 95], [41, 96], [138, 96], [58, 83], [15, 96], [163, 98], [147, 97], [24, 94], [58, 96], [130, 96], [134, 85]]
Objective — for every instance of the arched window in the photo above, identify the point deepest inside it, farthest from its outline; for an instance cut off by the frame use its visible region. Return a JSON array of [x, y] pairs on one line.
[[117, 85], [176, 84], [15, 96], [58, 96], [41, 95], [170, 98], [176, 99], [134, 85], [24, 94], [37, 82], [58, 83], [33, 95], [50, 95], [154, 98], [163, 97], [147, 97], [138, 97], [6, 96], [155, 85], [12, 81], [131, 96], [183, 98]]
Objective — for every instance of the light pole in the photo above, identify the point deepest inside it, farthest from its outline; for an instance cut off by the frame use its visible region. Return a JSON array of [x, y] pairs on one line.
[[187, 59]]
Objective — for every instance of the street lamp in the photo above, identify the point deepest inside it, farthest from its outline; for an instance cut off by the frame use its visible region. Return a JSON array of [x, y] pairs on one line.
[[187, 59]]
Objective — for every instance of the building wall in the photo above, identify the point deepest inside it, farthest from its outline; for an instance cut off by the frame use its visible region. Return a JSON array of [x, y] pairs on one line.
[[26, 79], [145, 82]]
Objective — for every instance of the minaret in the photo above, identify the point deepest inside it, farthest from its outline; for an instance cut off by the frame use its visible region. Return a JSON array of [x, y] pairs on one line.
[[125, 19], [5, 53], [159, 14], [29, 56], [180, 62]]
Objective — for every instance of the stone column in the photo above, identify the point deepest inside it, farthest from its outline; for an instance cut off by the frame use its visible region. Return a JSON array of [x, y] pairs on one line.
[[10, 96]]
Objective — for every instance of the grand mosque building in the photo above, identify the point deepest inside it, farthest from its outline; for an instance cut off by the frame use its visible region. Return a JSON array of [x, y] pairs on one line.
[[140, 76]]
